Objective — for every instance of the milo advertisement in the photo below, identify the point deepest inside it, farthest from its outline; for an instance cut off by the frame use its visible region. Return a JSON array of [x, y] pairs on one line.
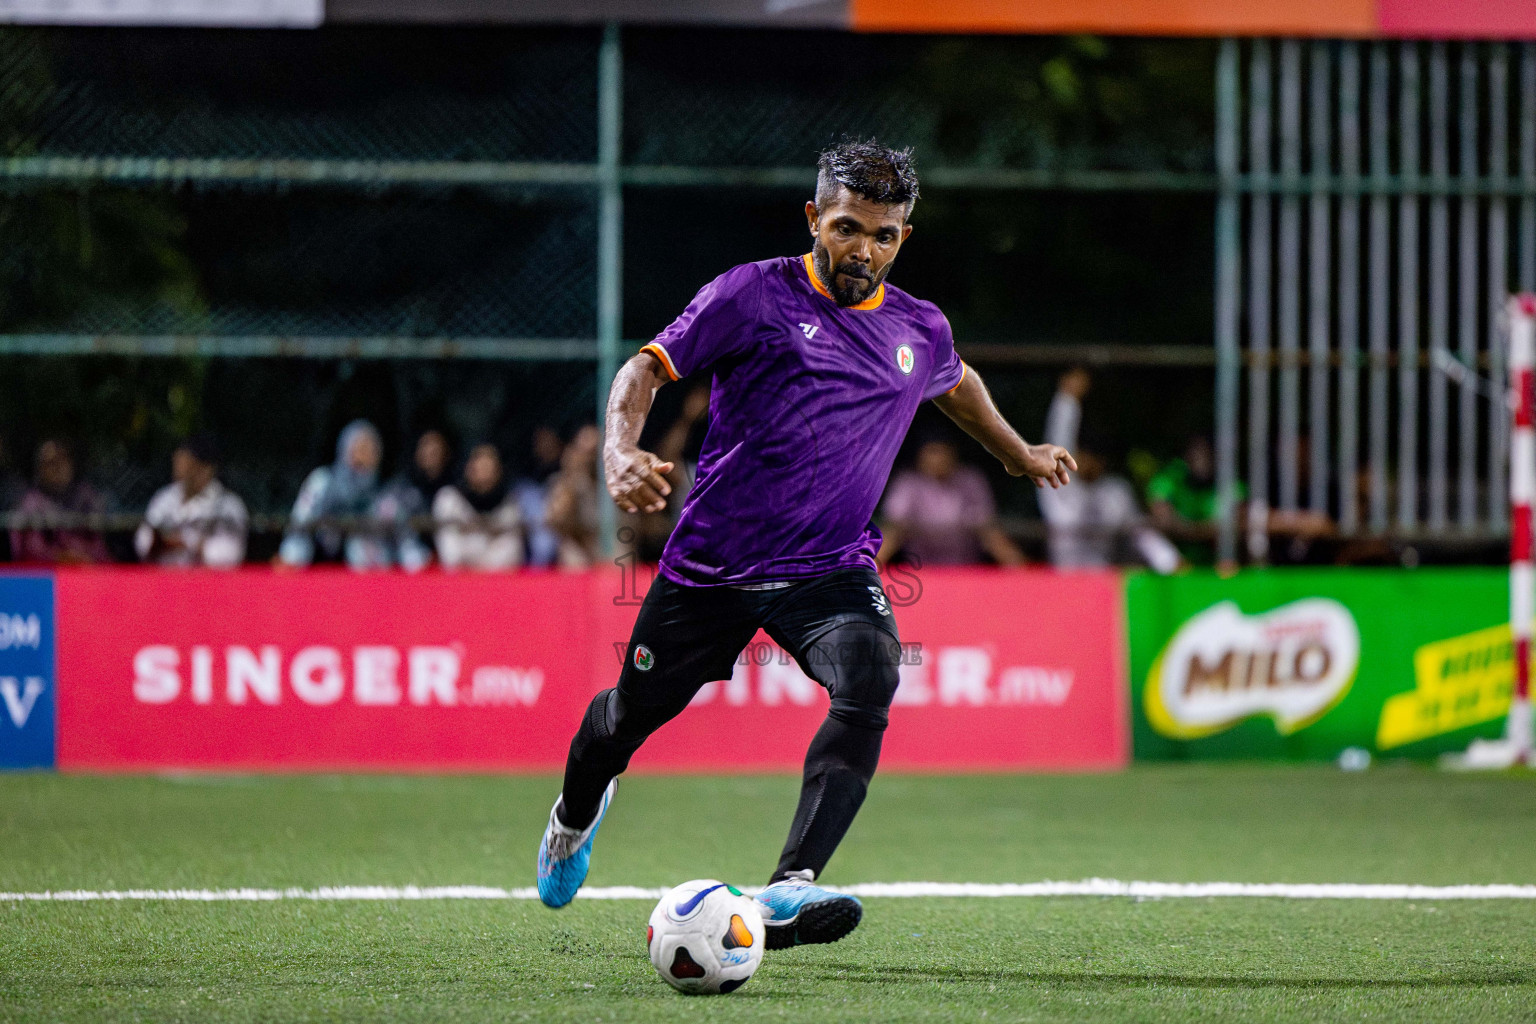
[[1302, 663]]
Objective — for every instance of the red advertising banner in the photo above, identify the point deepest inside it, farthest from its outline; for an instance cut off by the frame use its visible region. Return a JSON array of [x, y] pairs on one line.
[[1464, 19], [320, 670]]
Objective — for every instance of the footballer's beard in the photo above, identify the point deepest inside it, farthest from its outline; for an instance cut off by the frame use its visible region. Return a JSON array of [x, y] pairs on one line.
[[864, 284]]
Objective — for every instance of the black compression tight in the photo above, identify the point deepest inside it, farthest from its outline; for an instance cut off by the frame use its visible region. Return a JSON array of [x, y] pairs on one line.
[[856, 662], [838, 768], [611, 731]]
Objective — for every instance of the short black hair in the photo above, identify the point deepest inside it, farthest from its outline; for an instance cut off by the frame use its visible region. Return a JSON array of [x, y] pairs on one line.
[[870, 171], [203, 447]]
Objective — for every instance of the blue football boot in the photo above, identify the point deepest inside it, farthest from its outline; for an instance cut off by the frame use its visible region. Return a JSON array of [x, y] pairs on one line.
[[797, 913], [566, 854]]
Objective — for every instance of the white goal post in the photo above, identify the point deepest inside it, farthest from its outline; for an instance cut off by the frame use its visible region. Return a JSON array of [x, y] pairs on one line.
[[1516, 745]]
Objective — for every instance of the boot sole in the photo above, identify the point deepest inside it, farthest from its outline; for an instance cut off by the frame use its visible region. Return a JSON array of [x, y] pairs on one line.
[[827, 921]]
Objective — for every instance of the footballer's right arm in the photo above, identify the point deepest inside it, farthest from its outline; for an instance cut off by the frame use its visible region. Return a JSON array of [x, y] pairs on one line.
[[636, 478]]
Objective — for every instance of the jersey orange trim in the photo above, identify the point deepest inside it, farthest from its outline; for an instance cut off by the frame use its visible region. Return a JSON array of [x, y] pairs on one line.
[[873, 302], [963, 368], [666, 361]]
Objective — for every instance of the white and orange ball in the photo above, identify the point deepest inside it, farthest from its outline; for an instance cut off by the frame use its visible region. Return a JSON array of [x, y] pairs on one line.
[[705, 936]]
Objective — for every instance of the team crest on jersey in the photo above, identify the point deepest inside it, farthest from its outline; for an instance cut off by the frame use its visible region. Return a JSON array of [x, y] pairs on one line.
[[904, 359], [644, 659]]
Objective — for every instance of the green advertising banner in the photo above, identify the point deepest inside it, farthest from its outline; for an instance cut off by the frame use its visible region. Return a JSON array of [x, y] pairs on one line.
[[1302, 663]]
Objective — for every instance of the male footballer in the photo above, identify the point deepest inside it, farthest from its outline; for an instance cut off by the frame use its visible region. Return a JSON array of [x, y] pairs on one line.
[[818, 367]]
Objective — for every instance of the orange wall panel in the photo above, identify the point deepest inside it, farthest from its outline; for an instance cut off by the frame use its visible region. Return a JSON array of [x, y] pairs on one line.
[[1135, 17]]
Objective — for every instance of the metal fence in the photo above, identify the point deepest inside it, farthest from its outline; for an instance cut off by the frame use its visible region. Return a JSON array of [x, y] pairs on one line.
[[1374, 204], [467, 202], [1368, 197]]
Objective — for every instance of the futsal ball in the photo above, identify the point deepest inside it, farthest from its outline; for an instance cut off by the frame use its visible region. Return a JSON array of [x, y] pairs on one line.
[[705, 936]]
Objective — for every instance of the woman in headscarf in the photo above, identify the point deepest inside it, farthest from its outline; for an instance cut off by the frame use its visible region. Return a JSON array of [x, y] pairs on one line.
[[406, 498], [479, 525], [344, 489]]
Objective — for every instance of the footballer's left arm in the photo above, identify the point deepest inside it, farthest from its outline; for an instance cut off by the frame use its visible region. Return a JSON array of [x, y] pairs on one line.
[[970, 405]]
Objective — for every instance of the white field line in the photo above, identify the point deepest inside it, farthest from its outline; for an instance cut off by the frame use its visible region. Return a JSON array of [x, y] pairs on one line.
[[898, 890]]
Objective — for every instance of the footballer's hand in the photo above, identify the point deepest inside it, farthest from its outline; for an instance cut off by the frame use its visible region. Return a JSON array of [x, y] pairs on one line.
[[1046, 463], [637, 479]]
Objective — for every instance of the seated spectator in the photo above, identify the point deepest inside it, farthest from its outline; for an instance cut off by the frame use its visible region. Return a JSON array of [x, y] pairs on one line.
[[1184, 491], [533, 495], [344, 489], [479, 525], [1295, 536], [1087, 520], [196, 520], [409, 496], [573, 496], [942, 513], [57, 491], [1184, 500]]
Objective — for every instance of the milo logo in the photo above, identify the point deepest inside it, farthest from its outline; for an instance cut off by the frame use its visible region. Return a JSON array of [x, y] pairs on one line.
[[1293, 663]]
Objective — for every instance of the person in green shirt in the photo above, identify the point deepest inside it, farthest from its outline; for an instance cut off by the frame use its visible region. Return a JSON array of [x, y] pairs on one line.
[[1184, 501]]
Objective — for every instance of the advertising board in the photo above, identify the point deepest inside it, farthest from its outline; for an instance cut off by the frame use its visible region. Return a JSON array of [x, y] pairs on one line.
[[1304, 663], [27, 680], [275, 670]]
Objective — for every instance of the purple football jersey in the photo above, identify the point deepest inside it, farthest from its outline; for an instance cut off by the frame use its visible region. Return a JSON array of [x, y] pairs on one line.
[[810, 402]]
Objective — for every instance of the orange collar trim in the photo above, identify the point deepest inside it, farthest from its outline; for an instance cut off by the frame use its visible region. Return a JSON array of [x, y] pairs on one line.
[[873, 302]]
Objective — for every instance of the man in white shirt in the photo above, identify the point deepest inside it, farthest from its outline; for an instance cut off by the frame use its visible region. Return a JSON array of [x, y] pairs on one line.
[[1086, 521], [196, 520]]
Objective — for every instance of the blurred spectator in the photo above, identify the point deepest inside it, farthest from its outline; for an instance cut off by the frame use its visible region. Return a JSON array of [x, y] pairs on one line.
[[196, 520], [57, 490], [1298, 536], [1366, 549], [572, 509], [1184, 501], [532, 493], [942, 513], [409, 496], [1087, 518], [1184, 491], [479, 525], [344, 489]]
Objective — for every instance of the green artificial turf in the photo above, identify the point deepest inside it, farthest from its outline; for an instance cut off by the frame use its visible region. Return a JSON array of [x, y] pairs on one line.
[[1065, 959]]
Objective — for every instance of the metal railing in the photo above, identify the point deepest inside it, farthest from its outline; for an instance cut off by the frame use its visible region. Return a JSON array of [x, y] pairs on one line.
[[181, 142], [1343, 168], [1366, 195]]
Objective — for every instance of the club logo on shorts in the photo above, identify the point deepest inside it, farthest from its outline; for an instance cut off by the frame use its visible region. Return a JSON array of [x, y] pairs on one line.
[[904, 359], [882, 604], [644, 659]]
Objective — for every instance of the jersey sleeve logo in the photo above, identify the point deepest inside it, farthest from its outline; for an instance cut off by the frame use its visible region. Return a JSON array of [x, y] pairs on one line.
[[904, 359], [644, 659]]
